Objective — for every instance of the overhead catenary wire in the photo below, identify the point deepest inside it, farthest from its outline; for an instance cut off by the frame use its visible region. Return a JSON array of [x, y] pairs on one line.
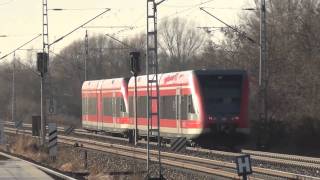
[[233, 28], [109, 27], [178, 12], [124, 44], [75, 9], [192, 6], [246, 9], [21, 46], [82, 25]]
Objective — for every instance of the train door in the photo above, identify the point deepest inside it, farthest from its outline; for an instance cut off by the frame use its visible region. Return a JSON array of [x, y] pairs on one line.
[[178, 110], [99, 106], [115, 111], [85, 110]]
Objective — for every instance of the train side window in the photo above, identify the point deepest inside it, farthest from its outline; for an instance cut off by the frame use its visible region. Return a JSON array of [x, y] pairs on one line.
[[122, 105], [131, 106], [84, 106], [92, 106], [107, 106], [142, 106], [184, 107], [117, 106], [190, 105], [168, 107]]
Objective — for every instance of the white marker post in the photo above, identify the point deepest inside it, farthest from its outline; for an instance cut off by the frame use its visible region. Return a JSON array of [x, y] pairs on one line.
[[53, 140], [244, 166], [2, 136]]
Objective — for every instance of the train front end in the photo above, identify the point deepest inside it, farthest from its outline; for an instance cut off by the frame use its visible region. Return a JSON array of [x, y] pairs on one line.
[[224, 96]]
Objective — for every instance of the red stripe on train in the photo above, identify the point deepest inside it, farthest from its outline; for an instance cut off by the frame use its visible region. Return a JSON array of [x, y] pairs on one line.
[[171, 123]]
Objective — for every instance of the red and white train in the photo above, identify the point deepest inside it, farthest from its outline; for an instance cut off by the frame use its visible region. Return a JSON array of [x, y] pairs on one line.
[[193, 104]]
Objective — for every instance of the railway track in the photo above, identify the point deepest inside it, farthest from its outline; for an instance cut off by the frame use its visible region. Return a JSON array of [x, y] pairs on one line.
[[273, 158], [303, 159], [208, 166]]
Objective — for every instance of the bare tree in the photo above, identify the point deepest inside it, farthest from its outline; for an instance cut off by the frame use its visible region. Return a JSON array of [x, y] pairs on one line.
[[179, 41]]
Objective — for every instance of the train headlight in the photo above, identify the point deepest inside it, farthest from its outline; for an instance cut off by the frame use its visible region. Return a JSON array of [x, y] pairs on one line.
[[235, 118]]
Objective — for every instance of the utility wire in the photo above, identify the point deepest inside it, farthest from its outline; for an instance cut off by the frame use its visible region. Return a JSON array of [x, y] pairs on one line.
[[21, 46], [124, 44], [84, 9], [110, 27], [233, 28], [184, 10], [192, 6], [245, 9], [59, 39]]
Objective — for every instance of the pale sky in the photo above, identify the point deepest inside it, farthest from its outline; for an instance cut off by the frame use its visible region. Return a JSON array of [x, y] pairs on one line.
[[21, 20]]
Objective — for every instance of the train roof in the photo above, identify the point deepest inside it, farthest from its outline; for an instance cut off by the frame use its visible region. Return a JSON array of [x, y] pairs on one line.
[[90, 85], [105, 84], [173, 78], [183, 77], [220, 72], [164, 79]]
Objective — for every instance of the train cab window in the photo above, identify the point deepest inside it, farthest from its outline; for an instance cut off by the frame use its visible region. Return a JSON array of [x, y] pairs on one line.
[[107, 106], [222, 93], [190, 105]]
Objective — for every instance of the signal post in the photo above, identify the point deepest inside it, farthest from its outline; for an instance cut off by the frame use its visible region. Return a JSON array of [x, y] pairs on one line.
[[135, 70]]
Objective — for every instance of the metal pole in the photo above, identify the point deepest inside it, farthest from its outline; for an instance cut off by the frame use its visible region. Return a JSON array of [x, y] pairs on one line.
[[43, 124], [86, 56], [13, 110], [147, 72], [245, 177], [263, 77], [135, 111]]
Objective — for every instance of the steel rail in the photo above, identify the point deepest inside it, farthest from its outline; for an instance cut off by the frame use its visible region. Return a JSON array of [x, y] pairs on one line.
[[299, 161], [283, 159], [282, 156], [130, 152], [172, 159]]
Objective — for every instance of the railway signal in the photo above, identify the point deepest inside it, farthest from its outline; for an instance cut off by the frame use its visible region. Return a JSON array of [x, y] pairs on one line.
[[36, 125], [135, 70], [42, 62], [135, 63], [2, 137]]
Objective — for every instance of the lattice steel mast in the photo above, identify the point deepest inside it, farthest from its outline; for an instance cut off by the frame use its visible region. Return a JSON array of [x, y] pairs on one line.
[[45, 50], [152, 83]]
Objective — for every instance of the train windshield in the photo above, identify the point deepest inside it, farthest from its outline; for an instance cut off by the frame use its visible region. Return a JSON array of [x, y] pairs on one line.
[[221, 94]]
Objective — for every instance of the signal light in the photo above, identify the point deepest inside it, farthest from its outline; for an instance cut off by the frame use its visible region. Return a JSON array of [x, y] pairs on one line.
[[135, 63], [42, 63]]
